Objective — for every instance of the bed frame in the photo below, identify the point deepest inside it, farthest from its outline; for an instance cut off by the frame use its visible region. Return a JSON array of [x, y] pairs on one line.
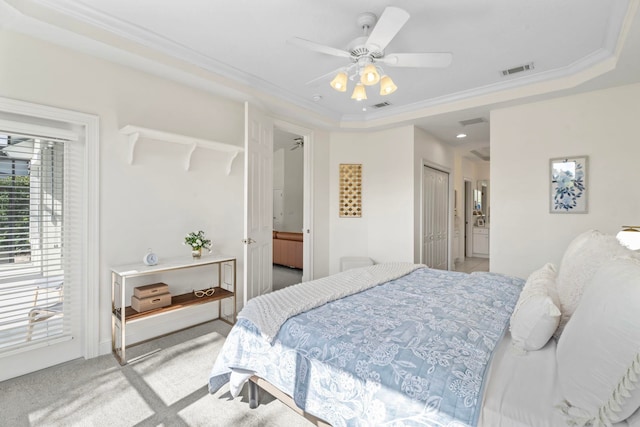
[[255, 383]]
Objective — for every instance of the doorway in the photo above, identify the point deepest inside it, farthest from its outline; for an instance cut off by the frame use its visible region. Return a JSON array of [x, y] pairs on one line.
[[258, 200], [288, 208], [468, 218]]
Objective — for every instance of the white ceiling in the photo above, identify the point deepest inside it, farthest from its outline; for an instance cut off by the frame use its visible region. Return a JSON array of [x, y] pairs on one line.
[[243, 46]]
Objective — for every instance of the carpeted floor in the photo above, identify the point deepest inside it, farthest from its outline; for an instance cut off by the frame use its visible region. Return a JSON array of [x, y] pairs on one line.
[[166, 386], [285, 276]]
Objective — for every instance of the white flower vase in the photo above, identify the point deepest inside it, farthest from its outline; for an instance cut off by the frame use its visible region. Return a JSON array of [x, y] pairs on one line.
[[196, 253]]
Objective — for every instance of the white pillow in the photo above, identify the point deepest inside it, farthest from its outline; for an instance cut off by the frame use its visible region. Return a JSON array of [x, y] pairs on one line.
[[536, 315], [598, 353], [583, 257]]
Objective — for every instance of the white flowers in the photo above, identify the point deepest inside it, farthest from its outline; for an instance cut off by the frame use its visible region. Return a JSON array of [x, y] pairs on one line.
[[197, 240]]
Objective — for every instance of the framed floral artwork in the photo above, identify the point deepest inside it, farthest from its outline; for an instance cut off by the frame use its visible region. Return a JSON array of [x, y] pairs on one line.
[[568, 185]]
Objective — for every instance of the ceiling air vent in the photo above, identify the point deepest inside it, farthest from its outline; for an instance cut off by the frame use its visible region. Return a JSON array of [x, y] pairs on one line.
[[518, 69], [472, 121], [381, 104]]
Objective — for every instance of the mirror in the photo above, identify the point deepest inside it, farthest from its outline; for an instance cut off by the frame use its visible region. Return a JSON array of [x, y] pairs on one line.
[[481, 202]]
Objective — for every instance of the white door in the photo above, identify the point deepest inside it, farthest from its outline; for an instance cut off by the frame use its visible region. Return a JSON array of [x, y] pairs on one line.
[[435, 218], [48, 250], [258, 203]]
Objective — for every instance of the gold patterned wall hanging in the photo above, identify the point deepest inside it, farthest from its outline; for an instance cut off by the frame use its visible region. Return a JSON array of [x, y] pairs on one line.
[[350, 191]]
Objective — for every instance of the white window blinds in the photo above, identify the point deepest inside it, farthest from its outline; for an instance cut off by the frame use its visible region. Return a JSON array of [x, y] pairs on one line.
[[38, 281]]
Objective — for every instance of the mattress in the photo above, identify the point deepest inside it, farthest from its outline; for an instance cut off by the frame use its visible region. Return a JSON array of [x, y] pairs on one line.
[[522, 390]]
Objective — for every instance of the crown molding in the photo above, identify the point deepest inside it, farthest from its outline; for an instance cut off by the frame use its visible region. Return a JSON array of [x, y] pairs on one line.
[[248, 86]]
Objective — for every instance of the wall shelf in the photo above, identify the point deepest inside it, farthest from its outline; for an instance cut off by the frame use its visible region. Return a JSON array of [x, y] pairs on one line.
[[134, 133]]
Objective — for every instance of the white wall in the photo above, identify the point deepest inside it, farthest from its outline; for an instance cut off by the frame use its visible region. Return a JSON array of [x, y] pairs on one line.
[[385, 230], [392, 166], [278, 188], [278, 169], [601, 125], [154, 202], [293, 190], [320, 153], [288, 176]]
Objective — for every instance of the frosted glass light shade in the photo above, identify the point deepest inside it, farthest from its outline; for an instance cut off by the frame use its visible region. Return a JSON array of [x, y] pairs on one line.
[[339, 82], [387, 85], [359, 92], [370, 75]]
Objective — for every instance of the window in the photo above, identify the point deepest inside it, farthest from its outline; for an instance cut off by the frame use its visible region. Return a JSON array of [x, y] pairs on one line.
[[32, 237], [57, 150]]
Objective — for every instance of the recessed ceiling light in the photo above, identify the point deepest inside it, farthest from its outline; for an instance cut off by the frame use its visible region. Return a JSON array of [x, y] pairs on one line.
[[316, 97], [461, 135]]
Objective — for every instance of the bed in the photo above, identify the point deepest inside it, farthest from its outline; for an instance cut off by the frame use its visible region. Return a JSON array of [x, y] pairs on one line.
[[402, 344]]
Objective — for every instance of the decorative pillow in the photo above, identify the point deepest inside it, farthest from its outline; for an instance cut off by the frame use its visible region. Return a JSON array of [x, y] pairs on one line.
[[536, 315], [583, 257], [598, 353]]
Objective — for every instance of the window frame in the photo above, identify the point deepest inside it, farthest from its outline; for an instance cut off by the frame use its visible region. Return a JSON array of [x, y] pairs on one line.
[[27, 118]]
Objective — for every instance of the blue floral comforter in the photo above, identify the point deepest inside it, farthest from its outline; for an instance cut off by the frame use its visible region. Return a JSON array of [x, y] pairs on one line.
[[410, 352]]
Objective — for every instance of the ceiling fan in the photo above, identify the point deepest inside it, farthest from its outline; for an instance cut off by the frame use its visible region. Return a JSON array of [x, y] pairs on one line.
[[297, 143], [366, 54]]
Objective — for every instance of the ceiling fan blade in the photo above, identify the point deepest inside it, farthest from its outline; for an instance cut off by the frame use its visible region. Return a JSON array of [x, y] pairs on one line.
[[418, 60], [390, 22], [317, 47]]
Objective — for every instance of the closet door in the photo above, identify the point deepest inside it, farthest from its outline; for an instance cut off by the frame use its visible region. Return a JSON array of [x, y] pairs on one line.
[[436, 220]]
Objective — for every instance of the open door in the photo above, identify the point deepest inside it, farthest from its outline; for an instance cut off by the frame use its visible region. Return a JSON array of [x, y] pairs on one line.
[[307, 221], [258, 203]]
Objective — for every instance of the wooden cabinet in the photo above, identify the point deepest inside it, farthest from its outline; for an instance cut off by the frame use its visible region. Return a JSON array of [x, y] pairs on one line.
[[480, 241], [122, 314]]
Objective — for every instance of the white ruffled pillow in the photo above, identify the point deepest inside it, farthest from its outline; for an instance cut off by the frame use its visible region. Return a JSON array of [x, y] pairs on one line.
[[536, 315], [583, 257], [598, 353]]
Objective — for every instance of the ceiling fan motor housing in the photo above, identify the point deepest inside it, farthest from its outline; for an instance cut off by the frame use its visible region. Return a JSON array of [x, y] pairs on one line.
[[357, 47]]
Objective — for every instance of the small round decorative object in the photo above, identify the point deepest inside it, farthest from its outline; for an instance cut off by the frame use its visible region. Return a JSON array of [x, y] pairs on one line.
[[150, 258]]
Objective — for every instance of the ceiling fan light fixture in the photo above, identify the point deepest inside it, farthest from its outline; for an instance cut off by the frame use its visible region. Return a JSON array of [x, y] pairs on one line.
[[387, 86], [370, 75], [359, 92], [339, 82], [367, 54]]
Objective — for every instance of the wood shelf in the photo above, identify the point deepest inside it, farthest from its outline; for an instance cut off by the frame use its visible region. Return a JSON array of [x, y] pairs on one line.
[[177, 302], [134, 133]]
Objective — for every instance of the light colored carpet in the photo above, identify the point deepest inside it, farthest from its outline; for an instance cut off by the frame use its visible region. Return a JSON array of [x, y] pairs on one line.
[[167, 386], [285, 276]]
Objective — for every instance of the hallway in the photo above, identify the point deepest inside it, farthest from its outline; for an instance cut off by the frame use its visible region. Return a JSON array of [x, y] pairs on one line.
[[472, 264]]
